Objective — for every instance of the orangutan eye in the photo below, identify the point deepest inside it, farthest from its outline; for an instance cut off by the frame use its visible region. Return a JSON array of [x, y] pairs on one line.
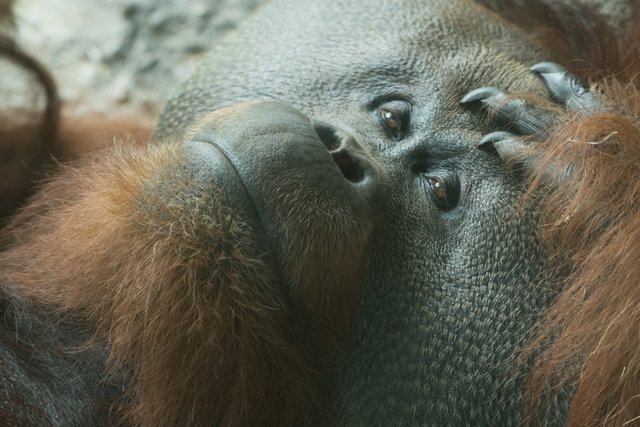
[[391, 118], [394, 117], [445, 189]]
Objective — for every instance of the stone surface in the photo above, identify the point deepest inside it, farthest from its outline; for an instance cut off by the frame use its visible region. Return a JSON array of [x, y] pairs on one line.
[[123, 55]]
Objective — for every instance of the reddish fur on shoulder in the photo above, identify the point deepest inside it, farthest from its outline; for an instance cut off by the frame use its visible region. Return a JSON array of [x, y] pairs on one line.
[[591, 226], [174, 287], [587, 343]]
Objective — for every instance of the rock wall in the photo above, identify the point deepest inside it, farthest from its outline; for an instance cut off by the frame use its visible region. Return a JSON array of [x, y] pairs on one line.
[[123, 55]]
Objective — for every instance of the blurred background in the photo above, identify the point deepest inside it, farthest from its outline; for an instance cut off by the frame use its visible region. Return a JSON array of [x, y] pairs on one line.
[[122, 54]]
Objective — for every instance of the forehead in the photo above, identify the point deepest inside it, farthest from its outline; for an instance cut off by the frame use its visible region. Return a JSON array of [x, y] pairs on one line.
[[320, 54], [428, 44]]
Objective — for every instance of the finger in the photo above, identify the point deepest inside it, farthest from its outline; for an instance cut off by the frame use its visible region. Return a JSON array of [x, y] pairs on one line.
[[565, 88], [513, 114]]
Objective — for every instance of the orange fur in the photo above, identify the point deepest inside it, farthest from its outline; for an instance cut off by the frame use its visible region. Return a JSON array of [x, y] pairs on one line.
[[188, 307], [591, 226], [587, 343], [193, 317]]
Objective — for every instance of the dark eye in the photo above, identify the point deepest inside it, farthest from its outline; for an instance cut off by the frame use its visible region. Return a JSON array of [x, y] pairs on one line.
[[445, 189], [394, 117]]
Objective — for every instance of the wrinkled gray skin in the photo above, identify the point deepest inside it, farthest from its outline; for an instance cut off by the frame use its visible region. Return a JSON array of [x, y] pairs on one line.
[[449, 295]]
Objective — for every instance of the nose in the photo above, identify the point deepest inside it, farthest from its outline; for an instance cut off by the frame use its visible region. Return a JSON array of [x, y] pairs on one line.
[[351, 158], [279, 154]]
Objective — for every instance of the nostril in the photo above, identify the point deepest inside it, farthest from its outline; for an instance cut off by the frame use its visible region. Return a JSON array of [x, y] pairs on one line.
[[328, 136], [349, 166], [339, 144]]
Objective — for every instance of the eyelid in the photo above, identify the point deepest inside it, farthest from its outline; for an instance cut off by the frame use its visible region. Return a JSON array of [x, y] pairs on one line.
[[398, 104], [388, 97]]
